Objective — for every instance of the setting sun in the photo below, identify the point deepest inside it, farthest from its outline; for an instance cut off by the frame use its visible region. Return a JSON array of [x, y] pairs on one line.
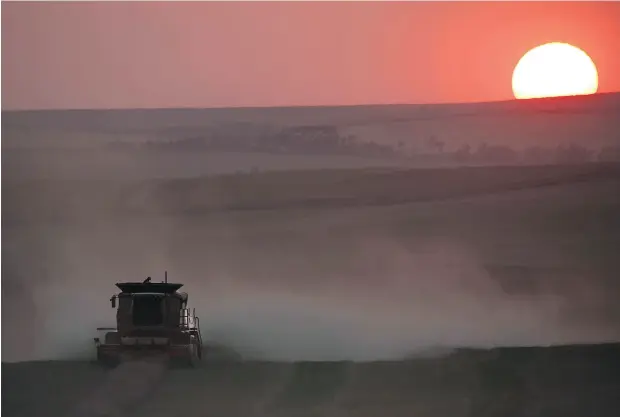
[[554, 69]]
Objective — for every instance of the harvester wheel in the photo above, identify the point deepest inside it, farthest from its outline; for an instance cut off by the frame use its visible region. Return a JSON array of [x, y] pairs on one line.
[[194, 355]]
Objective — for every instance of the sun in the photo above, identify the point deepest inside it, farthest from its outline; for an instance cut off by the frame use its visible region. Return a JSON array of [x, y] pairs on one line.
[[552, 70]]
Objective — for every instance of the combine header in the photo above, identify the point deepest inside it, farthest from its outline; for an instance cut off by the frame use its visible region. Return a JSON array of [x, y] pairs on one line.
[[151, 318]]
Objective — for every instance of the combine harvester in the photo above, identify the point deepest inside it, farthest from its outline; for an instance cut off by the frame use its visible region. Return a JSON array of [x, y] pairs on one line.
[[152, 320]]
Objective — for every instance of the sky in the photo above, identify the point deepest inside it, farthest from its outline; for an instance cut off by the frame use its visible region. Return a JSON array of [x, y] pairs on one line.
[[234, 54]]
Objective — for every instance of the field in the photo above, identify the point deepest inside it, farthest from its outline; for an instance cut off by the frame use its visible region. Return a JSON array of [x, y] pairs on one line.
[[547, 382], [349, 290]]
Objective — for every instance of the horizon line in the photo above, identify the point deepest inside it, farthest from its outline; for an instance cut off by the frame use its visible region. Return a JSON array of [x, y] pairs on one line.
[[314, 106]]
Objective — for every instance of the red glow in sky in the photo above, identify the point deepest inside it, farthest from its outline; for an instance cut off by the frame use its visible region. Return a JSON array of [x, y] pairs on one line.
[[201, 54]]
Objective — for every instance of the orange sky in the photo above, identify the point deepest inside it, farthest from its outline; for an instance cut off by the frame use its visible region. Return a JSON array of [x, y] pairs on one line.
[[201, 54]]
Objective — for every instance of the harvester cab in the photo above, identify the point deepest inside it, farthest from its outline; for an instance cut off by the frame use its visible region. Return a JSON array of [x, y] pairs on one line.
[[151, 317]]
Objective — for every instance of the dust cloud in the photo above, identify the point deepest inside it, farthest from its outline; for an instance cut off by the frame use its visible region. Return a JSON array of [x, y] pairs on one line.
[[372, 297], [425, 304], [420, 303]]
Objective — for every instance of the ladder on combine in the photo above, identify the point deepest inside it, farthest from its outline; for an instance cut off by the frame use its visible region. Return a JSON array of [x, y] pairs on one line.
[[190, 323]]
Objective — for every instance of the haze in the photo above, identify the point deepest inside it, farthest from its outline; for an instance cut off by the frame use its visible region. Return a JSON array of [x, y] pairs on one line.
[[346, 258]]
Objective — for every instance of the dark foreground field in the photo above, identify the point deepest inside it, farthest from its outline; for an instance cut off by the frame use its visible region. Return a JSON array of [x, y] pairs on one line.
[[564, 381]]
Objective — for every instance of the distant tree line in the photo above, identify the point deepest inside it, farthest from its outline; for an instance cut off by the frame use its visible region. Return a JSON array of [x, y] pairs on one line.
[[562, 154], [328, 140], [307, 140], [486, 153]]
